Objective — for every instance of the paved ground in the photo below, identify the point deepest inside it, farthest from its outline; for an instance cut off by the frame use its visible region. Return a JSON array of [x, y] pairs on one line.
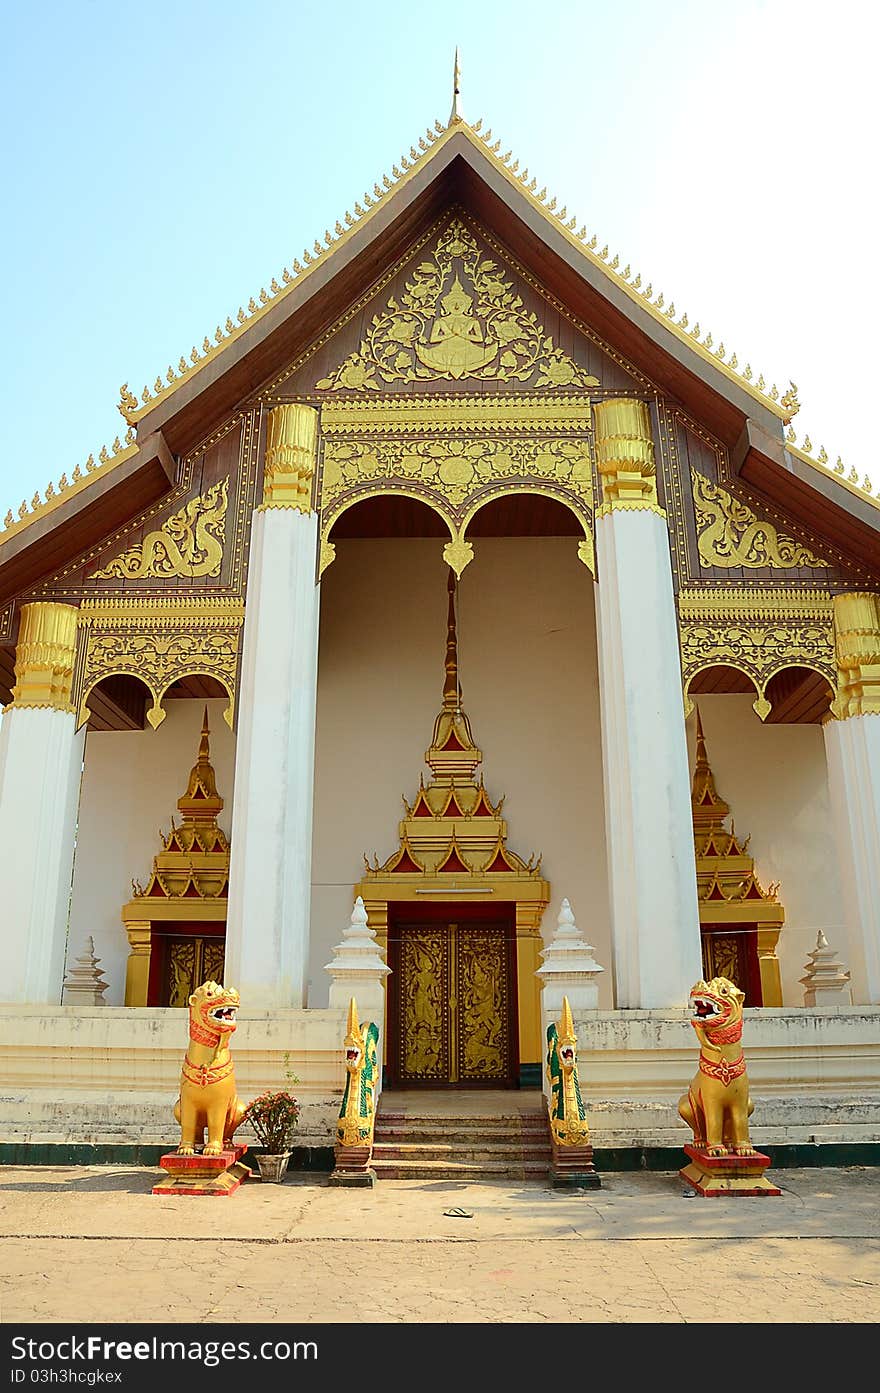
[[91, 1243]]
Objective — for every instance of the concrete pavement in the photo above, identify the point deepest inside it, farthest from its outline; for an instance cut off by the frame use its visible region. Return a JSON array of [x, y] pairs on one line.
[[93, 1244]]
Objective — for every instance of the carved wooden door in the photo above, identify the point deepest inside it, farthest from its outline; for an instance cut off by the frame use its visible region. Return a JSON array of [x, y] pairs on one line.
[[453, 1000], [733, 953], [189, 961]]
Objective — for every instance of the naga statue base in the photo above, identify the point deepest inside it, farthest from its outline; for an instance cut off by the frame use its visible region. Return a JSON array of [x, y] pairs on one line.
[[727, 1175], [571, 1168], [352, 1167], [202, 1175]]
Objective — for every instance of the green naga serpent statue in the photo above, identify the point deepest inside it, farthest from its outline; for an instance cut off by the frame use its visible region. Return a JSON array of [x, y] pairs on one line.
[[568, 1116], [357, 1113], [571, 1150]]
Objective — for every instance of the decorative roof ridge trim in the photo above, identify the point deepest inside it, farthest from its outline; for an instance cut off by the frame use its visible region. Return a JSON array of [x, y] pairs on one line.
[[292, 277], [784, 406], [822, 464], [68, 488]]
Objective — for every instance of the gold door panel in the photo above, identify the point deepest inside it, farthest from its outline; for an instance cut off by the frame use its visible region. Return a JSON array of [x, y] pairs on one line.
[[188, 963], [453, 1006]]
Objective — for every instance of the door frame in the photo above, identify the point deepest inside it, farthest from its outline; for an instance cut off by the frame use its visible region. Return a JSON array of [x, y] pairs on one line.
[[461, 912]]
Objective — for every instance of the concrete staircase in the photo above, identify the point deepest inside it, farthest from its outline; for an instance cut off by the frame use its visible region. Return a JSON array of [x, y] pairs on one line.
[[421, 1142]]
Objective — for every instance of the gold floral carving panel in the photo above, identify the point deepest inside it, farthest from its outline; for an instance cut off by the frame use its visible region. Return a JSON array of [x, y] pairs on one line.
[[158, 642], [730, 534], [458, 316], [455, 455], [759, 631], [456, 470], [189, 543]]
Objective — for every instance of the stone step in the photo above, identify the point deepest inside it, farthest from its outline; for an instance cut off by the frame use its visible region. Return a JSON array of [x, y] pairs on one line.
[[429, 1132], [466, 1121], [439, 1151], [459, 1170]]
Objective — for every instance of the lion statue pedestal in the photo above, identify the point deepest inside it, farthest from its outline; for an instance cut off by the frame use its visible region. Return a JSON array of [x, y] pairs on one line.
[[207, 1101], [717, 1106]]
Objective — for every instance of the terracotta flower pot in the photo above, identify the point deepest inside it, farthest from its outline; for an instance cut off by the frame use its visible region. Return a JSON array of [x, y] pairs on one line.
[[273, 1165]]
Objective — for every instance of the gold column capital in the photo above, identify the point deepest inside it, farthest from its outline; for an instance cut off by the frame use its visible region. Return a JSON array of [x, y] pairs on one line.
[[625, 454], [857, 648], [44, 656], [291, 452]]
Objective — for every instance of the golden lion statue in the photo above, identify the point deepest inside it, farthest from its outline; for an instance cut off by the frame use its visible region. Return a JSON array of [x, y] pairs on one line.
[[207, 1078], [717, 1106]]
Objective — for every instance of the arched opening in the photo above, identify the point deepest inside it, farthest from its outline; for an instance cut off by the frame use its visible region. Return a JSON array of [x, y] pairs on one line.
[[118, 703], [529, 681], [525, 514], [766, 881], [798, 696]]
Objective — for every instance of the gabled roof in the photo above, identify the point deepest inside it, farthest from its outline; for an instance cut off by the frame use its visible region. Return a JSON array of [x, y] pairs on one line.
[[453, 164]]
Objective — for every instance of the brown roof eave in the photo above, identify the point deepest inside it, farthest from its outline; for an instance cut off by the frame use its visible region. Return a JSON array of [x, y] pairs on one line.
[[110, 500], [824, 505]]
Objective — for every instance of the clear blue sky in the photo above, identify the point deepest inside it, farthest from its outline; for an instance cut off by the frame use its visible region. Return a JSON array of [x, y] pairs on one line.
[[162, 162]]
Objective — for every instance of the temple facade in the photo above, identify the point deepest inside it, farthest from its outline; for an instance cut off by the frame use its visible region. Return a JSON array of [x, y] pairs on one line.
[[461, 575]]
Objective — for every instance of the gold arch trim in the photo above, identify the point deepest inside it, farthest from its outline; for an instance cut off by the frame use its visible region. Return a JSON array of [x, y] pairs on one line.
[[456, 454], [159, 643], [760, 705]]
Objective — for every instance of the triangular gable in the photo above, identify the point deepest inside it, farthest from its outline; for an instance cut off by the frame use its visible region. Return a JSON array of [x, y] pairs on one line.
[[455, 163]]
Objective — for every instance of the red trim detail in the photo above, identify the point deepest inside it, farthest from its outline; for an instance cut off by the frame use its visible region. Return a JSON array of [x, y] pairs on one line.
[[454, 862]]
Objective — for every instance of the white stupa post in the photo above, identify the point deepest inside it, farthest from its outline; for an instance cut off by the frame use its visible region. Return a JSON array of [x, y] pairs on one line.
[[358, 970], [267, 934], [84, 984], [826, 981], [41, 757], [568, 969], [650, 845], [852, 749]]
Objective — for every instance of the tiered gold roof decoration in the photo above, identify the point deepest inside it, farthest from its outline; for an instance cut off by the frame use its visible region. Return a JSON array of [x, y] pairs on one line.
[[453, 828], [728, 889], [194, 861]]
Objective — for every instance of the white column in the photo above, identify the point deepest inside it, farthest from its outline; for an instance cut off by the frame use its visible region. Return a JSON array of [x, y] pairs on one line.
[[267, 933], [852, 749], [41, 757], [649, 834]]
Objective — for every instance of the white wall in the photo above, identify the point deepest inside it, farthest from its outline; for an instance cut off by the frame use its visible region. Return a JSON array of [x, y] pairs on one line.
[[774, 778], [131, 783], [527, 650]]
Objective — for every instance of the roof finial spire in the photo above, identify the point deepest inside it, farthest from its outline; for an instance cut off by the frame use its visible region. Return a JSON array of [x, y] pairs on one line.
[[455, 113], [451, 688]]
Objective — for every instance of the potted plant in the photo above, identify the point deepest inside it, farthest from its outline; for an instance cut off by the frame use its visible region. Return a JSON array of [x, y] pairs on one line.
[[273, 1117]]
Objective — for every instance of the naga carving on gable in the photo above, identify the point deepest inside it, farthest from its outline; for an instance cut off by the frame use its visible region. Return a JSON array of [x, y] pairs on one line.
[[731, 534], [189, 543]]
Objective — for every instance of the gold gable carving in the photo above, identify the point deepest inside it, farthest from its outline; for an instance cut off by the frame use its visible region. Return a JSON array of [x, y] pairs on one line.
[[189, 543], [458, 317], [730, 534]]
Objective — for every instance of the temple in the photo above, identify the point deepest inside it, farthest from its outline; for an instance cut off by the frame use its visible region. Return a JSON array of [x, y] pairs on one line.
[[455, 476]]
